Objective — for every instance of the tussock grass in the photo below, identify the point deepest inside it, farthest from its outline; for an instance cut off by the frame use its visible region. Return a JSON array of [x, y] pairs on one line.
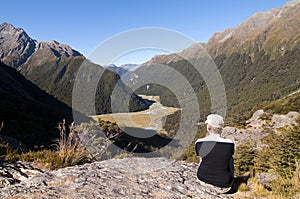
[[243, 187], [288, 185], [258, 189], [69, 148], [69, 151]]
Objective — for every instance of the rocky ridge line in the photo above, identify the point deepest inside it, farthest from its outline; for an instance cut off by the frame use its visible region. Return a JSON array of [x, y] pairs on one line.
[[17, 47]]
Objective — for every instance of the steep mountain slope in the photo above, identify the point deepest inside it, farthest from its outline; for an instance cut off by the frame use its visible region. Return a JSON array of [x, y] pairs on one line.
[[15, 50], [258, 60], [53, 67], [275, 32], [28, 113]]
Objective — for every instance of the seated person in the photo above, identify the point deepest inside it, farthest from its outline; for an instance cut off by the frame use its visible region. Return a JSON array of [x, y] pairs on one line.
[[216, 164]]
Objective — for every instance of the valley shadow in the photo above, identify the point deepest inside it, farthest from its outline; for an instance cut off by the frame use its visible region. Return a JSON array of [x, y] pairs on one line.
[[149, 102], [139, 132], [138, 140]]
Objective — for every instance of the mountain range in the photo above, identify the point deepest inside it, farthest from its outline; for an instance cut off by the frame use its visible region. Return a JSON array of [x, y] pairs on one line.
[[53, 67], [122, 69], [259, 65], [258, 60], [36, 85]]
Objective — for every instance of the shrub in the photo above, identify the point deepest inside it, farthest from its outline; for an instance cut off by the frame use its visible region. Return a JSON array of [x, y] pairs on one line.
[[244, 158], [281, 153]]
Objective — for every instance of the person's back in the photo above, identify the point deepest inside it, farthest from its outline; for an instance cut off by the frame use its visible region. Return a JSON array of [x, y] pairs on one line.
[[216, 165], [216, 155]]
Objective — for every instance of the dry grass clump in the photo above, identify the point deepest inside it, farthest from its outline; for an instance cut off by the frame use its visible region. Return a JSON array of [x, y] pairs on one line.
[[287, 186], [243, 187], [69, 151], [258, 189]]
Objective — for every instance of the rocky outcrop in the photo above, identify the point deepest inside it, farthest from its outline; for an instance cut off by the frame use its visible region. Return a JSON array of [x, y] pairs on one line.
[[16, 45], [266, 178], [17, 172], [258, 126], [283, 121], [115, 178]]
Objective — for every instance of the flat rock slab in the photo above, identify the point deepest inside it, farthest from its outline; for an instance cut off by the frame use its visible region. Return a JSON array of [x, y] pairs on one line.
[[115, 178]]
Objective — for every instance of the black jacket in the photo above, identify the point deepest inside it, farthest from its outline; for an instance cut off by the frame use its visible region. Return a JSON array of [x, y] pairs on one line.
[[215, 153]]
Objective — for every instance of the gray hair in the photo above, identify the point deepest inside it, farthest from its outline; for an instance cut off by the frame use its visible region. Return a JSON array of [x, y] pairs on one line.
[[214, 130]]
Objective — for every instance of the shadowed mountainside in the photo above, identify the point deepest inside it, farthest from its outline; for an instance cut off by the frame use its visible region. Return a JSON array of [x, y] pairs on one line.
[[28, 113]]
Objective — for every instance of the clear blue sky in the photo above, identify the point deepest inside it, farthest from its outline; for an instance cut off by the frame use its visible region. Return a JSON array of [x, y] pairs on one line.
[[85, 24]]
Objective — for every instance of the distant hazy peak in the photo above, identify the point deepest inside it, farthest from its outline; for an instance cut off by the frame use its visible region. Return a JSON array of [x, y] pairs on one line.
[[128, 67], [110, 65]]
